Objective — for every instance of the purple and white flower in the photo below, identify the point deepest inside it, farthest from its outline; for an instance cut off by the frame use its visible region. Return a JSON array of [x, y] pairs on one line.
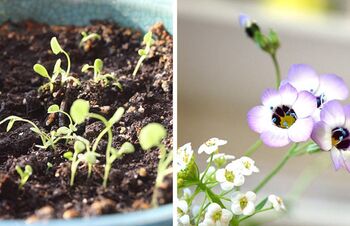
[[332, 133], [284, 116], [324, 87]]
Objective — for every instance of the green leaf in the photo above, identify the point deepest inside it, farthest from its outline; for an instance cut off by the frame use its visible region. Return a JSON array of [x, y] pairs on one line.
[[35, 130], [90, 157], [57, 67], [68, 155], [79, 146], [142, 52], [63, 130], [116, 116], [53, 109], [79, 110], [55, 46], [98, 65], [148, 38], [127, 148], [41, 70], [19, 171], [10, 125], [312, 148], [152, 135], [261, 204], [85, 68], [28, 170]]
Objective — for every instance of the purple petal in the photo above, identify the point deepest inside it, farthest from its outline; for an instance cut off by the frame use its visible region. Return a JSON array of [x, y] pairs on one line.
[[301, 130], [244, 20], [303, 77], [333, 87], [345, 155], [305, 105], [347, 116], [271, 98], [333, 114], [259, 119], [288, 94], [322, 135], [337, 158], [275, 137]]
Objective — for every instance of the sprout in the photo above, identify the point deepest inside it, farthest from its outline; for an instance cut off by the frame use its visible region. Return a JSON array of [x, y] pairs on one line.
[[24, 175], [49, 165], [86, 37], [41, 70], [151, 136], [105, 79], [148, 40]]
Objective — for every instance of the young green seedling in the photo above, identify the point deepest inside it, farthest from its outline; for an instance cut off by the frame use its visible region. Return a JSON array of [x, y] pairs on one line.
[[79, 147], [151, 136], [148, 40], [86, 37], [105, 79], [65, 74], [24, 175]]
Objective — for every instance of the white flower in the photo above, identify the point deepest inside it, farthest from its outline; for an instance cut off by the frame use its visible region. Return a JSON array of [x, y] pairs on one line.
[[216, 216], [247, 166], [276, 202], [211, 145], [221, 159], [243, 203], [209, 176], [187, 193], [230, 177], [184, 155], [183, 219]]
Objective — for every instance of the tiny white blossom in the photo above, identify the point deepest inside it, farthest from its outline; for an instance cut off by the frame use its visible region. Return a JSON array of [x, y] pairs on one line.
[[211, 145], [216, 216], [184, 155], [276, 202], [220, 159], [183, 219], [230, 177], [247, 166], [187, 193], [243, 203]]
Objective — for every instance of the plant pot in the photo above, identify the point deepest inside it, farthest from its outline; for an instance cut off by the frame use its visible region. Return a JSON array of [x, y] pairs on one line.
[[139, 14]]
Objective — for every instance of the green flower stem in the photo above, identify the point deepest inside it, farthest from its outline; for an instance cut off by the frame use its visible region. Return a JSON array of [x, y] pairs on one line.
[[277, 168], [256, 212], [252, 149], [198, 217], [278, 70], [208, 166]]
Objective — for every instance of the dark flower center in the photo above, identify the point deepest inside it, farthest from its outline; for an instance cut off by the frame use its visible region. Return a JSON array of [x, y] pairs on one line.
[[320, 100], [341, 138], [284, 117]]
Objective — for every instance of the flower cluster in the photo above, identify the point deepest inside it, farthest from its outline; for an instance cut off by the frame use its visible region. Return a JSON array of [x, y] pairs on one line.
[[305, 106], [224, 172]]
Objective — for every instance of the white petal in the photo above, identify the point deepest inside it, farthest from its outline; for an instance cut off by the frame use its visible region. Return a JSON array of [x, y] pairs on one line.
[[337, 158], [303, 77], [301, 130], [322, 135], [226, 186], [226, 216], [220, 175], [275, 137], [182, 205], [249, 209], [288, 93], [333, 114], [305, 105], [251, 196], [333, 87], [239, 180], [184, 220], [271, 98], [259, 118], [236, 209]]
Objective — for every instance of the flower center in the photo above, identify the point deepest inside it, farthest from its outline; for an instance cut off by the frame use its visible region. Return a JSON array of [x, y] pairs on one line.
[[247, 165], [284, 117], [230, 177], [186, 158], [341, 138], [243, 202], [210, 142], [217, 216], [180, 212], [320, 100]]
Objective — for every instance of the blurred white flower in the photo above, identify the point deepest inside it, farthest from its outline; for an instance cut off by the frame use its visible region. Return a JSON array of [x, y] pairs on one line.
[[276, 202], [221, 159], [209, 176], [230, 177], [211, 145], [216, 216], [184, 156], [183, 219], [247, 166], [243, 203], [186, 193]]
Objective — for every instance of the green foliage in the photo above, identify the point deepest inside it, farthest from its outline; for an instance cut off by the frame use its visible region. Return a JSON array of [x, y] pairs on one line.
[[86, 37], [148, 41], [79, 111], [152, 135], [104, 79], [24, 175]]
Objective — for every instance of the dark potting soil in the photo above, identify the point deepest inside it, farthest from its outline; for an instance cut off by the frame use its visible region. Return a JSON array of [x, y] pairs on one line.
[[146, 98]]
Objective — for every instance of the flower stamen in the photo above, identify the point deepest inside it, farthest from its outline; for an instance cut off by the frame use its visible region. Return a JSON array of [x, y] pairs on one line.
[[341, 138], [284, 117]]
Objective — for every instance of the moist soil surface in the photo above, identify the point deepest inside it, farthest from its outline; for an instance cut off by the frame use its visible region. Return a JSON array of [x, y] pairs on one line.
[[146, 98]]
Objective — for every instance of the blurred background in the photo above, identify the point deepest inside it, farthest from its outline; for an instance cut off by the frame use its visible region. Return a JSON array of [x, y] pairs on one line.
[[221, 75]]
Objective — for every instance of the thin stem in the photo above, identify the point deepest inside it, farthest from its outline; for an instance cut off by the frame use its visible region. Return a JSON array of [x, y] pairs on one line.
[[252, 149], [276, 169], [278, 70], [138, 65], [198, 217], [68, 63], [259, 211], [208, 166]]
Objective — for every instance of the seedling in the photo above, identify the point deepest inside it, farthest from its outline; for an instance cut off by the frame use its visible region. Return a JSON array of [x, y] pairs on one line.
[[105, 79], [65, 74], [151, 136], [24, 175], [86, 37], [148, 40]]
